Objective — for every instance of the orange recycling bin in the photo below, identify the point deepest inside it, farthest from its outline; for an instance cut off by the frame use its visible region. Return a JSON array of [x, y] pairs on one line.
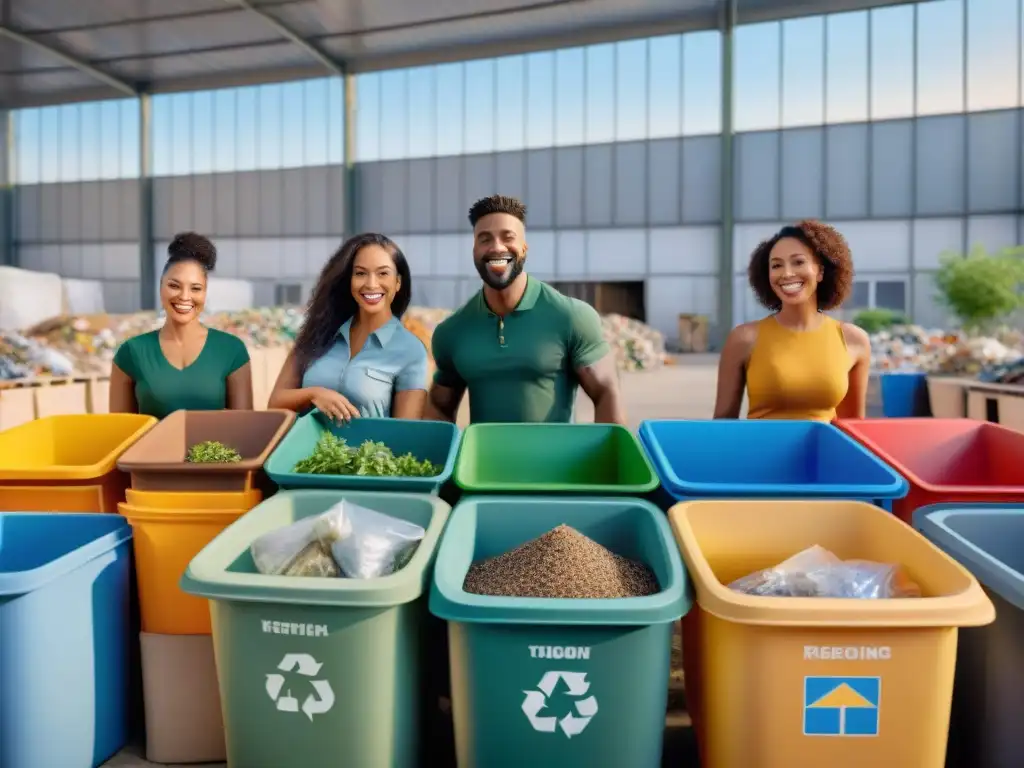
[[165, 541], [786, 682], [67, 463], [945, 460]]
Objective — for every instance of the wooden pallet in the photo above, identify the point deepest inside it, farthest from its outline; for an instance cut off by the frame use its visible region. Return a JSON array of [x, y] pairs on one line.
[[22, 400], [266, 364]]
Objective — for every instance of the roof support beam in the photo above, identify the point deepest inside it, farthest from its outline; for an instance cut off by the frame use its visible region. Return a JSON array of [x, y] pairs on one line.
[[148, 290], [332, 66], [72, 61], [727, 27]]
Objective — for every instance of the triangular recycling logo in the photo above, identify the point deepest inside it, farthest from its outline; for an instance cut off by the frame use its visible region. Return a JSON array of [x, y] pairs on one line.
[[577, 687], [300, 668]]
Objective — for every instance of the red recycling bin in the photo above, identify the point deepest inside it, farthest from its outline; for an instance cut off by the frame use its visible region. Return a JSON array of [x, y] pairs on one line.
[[944, 460]]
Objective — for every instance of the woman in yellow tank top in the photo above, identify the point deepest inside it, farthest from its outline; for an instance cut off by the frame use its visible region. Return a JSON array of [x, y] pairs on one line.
[[797, 363]]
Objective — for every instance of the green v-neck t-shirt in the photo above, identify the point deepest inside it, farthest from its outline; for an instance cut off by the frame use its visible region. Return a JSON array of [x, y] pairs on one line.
[[162, 389]]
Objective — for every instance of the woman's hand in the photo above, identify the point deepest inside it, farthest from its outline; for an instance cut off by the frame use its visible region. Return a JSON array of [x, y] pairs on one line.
[[333, 405]]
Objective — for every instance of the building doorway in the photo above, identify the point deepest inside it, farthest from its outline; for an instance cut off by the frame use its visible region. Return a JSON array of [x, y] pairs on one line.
[[621, 298]]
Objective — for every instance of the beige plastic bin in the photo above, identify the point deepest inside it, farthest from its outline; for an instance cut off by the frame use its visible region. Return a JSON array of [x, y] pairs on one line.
[[948, 397], [182, 700]]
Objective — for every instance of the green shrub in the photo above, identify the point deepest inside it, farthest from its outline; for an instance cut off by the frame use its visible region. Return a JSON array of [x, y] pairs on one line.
[[875, 320], [981, 288]]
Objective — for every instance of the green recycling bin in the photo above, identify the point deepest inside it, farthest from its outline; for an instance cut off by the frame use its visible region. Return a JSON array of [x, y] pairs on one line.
[[571, 459], [558, 683], [319, 672]]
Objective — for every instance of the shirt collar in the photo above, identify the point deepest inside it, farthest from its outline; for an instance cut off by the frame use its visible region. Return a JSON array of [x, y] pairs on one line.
[[383, 334], [528, 301]]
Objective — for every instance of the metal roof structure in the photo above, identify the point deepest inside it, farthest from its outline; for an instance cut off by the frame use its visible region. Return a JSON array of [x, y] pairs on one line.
[[57, 51]]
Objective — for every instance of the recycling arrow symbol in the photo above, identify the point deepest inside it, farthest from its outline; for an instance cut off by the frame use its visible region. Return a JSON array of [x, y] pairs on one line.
[[572, 724], [317, 703]]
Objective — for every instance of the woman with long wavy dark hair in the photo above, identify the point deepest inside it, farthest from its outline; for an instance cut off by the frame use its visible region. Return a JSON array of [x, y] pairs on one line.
[[353, 357]]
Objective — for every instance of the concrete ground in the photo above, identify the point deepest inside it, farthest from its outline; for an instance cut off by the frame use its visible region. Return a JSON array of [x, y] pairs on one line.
[[685, 389]]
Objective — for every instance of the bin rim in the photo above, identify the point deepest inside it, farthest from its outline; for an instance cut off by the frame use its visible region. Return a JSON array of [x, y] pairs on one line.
[[197, 496], [991, 572], [850, 427], [450, 602], [969, 608], [208, 575], [897, 488], [134, 513], [16, 583], [127, 464], [81, 471], [559, 488], [288, 479]]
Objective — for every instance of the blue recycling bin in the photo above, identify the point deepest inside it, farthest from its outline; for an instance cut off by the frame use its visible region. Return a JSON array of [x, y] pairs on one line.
[[739, 458], [64, 638], [904, 394], [988, 692]]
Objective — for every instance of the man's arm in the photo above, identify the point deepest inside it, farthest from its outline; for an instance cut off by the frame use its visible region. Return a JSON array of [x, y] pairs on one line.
[[443, 402], [594, 365], [601, 383], [448, 388]]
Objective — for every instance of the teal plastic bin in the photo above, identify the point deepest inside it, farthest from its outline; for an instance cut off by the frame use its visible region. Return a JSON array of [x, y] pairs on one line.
[[319, 672], [549, 682], [436, 441], [580, 459], [988, 692]]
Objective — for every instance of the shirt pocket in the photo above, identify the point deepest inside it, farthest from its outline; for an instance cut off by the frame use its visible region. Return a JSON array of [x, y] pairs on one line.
[[384, 377]]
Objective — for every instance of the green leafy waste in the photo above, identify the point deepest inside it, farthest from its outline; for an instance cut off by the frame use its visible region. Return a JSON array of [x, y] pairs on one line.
[[212, 452], [333, 456]]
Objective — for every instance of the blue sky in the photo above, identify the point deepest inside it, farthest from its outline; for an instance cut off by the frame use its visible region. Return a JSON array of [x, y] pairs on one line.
[[849, 67]]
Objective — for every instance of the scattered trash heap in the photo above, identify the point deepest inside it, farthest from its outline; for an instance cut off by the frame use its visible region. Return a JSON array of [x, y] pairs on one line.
[[997, 359], [85, 344]]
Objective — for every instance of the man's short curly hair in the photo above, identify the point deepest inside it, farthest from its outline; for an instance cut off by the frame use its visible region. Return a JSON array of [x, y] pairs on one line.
[[828, 246], [497, 204]]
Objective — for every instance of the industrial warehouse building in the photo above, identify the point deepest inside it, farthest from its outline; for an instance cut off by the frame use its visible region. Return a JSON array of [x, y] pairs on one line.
[[654, 148]]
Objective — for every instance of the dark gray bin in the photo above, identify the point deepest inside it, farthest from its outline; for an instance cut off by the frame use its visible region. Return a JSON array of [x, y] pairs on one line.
[[987, 721]]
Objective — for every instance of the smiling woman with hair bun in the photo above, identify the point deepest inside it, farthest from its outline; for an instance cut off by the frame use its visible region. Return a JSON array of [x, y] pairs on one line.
[[184, 364], [797, 363]]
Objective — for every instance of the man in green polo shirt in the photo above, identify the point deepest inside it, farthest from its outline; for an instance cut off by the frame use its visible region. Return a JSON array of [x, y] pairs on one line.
[[518, 346]]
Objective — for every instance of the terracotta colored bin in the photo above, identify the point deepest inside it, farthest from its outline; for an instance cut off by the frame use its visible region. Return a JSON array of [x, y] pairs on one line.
[[157, 461]]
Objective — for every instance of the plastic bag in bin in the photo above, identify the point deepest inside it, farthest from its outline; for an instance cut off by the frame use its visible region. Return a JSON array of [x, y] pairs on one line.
[[817, 572], [346, 540], [300, 549], [375, 544]]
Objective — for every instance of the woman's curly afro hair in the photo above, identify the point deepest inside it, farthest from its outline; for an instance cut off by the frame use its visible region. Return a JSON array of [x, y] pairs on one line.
[[828, 246]]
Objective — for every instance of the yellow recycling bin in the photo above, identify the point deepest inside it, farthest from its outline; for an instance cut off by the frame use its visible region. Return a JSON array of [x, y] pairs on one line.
[[788, 682]]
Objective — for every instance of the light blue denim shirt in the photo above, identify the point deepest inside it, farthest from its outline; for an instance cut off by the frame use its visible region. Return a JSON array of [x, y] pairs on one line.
[[392, 360]]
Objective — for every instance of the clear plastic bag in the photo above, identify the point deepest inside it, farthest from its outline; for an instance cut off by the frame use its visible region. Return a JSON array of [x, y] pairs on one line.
[[302, 548], [375, 544], [817, 572], [346, 540]]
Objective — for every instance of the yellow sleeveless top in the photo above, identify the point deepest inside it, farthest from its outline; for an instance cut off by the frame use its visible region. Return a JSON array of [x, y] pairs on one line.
[[797, 374]]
